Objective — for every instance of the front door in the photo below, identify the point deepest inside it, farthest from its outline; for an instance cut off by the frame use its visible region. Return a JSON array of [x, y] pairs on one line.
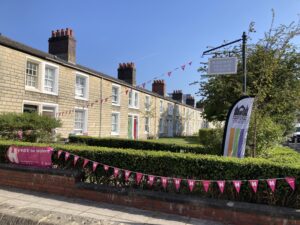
[[130, 127], [133, 125]]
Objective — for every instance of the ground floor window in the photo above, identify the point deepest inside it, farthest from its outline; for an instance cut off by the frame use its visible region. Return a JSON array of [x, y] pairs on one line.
[[28, 108], [161, 125], [147, 124], [115, 123], [49, 111], [80, 121]]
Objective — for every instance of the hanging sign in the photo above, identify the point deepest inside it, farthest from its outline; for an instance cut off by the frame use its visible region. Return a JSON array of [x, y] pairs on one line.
[[236, 127], [30, 155], [227, 65]]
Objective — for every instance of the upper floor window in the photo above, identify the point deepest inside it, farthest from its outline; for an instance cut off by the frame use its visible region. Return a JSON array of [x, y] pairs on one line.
[[81, 88], [51, 79], [161, 107], [115, 95], [170, 109], [147, 103], [32, 74], [133, 99]]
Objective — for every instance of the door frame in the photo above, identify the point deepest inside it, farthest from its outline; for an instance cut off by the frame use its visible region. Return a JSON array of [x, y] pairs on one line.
[[138, 124]]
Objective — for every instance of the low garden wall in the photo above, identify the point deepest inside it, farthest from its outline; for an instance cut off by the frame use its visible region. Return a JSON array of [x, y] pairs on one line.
[[69, 183]]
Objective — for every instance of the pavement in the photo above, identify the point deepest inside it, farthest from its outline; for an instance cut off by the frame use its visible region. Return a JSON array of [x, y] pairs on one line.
[[25, 207]]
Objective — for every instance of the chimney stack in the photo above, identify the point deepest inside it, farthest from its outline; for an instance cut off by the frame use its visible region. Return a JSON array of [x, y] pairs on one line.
[[159, 87], [127, 73], [63, 45], [190, 101], [177, 95]]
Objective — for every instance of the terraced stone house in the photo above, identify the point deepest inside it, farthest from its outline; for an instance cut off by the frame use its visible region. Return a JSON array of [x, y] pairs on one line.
[[88, 101]]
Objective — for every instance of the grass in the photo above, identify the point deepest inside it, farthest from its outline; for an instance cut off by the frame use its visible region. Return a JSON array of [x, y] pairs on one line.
[[191, 140]]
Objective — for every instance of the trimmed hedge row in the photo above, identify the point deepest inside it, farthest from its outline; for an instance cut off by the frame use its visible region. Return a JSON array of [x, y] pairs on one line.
[[186, 166], [142, 145]]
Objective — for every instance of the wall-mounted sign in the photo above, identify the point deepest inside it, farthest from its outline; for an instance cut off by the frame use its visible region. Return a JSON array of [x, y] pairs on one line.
[[227, 65], [30, 155]]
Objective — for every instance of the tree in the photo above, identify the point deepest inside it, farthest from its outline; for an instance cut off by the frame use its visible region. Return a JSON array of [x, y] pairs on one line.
[[273, 66]]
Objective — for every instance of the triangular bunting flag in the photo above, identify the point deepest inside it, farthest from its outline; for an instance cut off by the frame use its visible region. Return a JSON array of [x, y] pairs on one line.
[[106, 167], [76, 157], [169, 73], [144, 84], [221, 184], [95, 164], [164, 181], [190, 63], [182, 67], [254, 185], [126, 92], [237, 185], [272, 184], [206, 184], [139, 177], [177, 182], [116, 172], [151, 180], [59, 153], [291, 182], [127, 174], [106, 99], [67, 155], [85, 162], [191, 184]]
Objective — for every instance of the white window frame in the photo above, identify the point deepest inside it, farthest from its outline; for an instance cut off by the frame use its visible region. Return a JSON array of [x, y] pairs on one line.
[[138, 121], [133, 99], [147, 106], [85, 127], [56, 78], [86, 91], [170, 109], [161, 126], [118, 125], [118, 95], [39, 75], [161, 106], [147, 132], [40, 106]]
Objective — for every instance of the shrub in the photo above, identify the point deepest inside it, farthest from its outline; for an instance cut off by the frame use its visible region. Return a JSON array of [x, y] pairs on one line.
[[211, 138], [187, 165], [141, 145], [28, 127]]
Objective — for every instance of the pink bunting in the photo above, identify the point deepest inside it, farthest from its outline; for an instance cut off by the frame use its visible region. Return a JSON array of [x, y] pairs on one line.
[[177, 182], [106, 167], [126, 91], [139, 177], [127, 174], [291, 182], [190, 63], [191, 184], [95, 164], [206, 184], [164, 181], [76, 157], [221, 184], [116, 172], [237, 185], [254, 185], [144, 84], [85, 162], [182, 67], [169, 73], [67, 155], [59, 153], [272, 184], [151, 180]]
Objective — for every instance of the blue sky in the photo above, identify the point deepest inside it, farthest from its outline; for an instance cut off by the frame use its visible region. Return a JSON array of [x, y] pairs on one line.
[[156, 35]]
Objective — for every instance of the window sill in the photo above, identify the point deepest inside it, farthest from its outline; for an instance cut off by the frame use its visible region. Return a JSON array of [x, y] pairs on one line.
[[50, 93], [29, 88], [115, 104], [114, 133], [81, 98], [133, 107]]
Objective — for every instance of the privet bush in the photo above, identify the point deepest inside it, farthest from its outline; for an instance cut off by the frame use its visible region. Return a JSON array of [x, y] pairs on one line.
[[211, 138], [28, 127], [195, 166], [142, 145]]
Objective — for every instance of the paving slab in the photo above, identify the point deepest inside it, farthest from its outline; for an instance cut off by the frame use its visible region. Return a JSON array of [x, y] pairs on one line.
[[28, 207]]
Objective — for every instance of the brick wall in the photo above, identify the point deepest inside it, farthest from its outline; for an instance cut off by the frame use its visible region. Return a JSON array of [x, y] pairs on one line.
[[68, 183]]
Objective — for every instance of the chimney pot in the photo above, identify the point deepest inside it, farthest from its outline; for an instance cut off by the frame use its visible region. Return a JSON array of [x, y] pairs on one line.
[[159, 87], [127, 73]]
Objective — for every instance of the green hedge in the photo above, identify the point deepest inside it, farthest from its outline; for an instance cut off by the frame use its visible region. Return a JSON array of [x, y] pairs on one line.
[[142, 145], [186, 166]]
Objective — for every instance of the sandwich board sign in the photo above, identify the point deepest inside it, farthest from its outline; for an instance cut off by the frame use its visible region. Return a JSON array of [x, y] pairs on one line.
[[226, 65]]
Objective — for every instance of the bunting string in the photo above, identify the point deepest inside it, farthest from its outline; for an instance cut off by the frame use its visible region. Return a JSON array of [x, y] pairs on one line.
[[271, 182], [90, 104]]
